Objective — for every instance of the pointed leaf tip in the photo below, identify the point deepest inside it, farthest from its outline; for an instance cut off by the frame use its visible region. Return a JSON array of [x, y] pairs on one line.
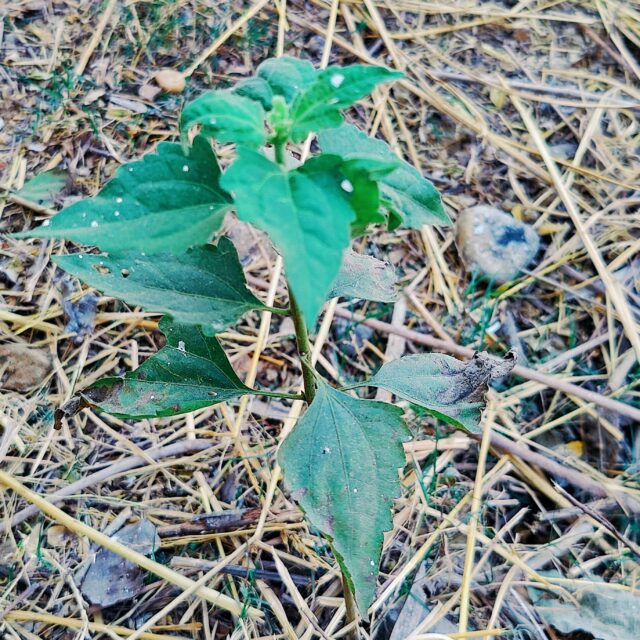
[[165, 202]]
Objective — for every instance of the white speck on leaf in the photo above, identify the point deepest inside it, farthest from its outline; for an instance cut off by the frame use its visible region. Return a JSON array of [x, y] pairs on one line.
[[46, 223], [116, 213], [185, 167], [336, 80], [355, 491], [346, 186], [94, 223], [212, 121], [181, 346], [118, 199]]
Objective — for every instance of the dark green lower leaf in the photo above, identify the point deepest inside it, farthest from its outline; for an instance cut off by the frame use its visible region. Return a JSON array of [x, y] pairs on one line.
[[341, 463], [203, 286], [189, 373]]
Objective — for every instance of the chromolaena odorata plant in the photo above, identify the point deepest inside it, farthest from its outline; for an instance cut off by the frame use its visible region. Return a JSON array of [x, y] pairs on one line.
[[156, 224]]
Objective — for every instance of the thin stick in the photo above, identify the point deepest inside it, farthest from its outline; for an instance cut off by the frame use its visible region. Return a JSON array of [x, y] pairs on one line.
[[470, 551], [95, 39], [75, 623], [594, 487], [283, 27], [611, 285], [263, 334], [139, 634], [331, 27], [183, 447], [206, 593], [242, 20]]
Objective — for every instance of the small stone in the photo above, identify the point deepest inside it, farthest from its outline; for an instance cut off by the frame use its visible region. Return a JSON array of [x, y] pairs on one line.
[[495, 243], [22, 368], [170, 81], [58, 536]]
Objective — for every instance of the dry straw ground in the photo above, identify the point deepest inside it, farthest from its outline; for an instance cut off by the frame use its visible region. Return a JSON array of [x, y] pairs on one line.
[[531, 106]]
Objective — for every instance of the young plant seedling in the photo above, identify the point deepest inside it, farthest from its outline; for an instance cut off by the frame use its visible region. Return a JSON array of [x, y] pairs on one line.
[[153, 222]]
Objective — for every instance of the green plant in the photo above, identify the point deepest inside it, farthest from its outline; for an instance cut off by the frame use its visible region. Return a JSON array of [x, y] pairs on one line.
[[153, 222]]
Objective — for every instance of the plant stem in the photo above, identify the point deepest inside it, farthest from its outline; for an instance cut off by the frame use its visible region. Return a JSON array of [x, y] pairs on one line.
[[304, 349], [351, 610], [309, 380], [277, 310], [279, 149], [302, 337]]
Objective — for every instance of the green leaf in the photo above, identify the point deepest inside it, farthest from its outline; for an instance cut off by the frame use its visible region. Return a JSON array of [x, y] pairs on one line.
[[447, 388], [204, 286], [256, 89], [189, 373], [365, 199], [362, 276], [306, 212], [341, 463], [404, 191], [166, 201], [43, 188], [287, 76], [318, 106], [227, 117]]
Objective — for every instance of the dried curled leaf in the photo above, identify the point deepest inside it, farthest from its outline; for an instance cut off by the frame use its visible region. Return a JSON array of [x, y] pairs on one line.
[[448, 388]]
